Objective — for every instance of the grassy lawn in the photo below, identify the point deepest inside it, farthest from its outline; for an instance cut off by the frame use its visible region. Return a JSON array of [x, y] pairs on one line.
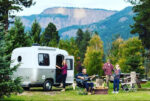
[[37, 94]]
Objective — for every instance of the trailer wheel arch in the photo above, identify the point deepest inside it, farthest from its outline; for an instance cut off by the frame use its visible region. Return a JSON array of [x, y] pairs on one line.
[[50, 79]]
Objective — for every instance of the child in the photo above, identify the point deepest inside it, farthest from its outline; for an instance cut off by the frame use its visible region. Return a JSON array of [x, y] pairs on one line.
[[117, 73]]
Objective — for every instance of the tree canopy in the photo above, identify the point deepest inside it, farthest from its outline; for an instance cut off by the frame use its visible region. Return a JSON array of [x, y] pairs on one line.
[[8, 7], [114, 52], [50, 36], [142, 20], [35, 32], [82, 40], [128, 54], [71, 47], [7, 84], [94, 56], [131, 56], [16, 37]]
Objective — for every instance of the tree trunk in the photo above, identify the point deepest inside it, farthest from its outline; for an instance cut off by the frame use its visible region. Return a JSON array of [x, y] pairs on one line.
[[6, 23]]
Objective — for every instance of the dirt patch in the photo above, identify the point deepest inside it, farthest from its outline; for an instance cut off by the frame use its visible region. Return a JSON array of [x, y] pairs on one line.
[[41, 92], [26, 93], [52, 93]]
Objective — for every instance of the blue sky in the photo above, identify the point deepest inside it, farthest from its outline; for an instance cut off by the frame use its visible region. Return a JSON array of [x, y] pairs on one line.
[[102, 4]]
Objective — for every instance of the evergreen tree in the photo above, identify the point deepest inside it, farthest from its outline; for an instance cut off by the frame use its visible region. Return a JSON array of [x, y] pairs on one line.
[[8, 7], [7, 84], [142, 20], [79, 37], [82, 40], [50, 36], [17, 37], [84, 44], [35, 32], [94, 55]]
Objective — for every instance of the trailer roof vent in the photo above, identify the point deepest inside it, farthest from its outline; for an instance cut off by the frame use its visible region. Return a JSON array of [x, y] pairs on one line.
[[35, 44]]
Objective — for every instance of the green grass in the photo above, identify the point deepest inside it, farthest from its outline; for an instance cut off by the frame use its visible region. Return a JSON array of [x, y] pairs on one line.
[[37, 94], [146, 85]]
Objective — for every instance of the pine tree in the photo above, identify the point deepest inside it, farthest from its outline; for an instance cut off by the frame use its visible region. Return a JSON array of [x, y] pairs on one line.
[[94, 56], [142, 20], [17, 37], [8, 7], [82, 40], [35, 32], [79, 37], [7, 84], [84, 44], [50, 36]]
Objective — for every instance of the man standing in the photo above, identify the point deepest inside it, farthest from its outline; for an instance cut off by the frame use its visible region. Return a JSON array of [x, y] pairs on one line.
[[108, 68]]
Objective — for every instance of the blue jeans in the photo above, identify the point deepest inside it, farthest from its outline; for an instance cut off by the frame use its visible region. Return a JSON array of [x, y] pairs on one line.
[[116, 84], [87, 85]]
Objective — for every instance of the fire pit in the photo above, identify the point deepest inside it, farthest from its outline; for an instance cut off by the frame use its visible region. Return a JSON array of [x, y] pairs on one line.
[[101, 90]]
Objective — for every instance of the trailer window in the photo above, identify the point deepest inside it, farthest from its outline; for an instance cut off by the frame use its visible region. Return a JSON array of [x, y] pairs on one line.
[[19, 58], [69, 64], [43, 59]]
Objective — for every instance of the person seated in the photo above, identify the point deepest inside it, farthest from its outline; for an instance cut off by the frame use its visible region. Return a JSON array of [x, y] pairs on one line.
[[86, 81]]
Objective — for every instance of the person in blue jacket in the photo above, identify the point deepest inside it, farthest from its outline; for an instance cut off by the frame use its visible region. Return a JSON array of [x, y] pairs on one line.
[[117, 73], [85, 79]]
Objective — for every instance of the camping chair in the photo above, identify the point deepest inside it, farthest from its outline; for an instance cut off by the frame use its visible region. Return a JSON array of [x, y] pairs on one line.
[[80, 87], [128, 83]]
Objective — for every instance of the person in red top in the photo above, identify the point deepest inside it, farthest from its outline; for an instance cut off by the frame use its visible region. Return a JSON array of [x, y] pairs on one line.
[[108, 68], [64, 73]]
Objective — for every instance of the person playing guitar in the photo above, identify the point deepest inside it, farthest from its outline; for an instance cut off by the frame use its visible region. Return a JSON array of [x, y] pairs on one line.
[[86, 81]]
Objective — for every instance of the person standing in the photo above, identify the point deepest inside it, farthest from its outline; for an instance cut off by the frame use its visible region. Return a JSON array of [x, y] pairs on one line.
[[108, 68], [117, 73], [64, 73]]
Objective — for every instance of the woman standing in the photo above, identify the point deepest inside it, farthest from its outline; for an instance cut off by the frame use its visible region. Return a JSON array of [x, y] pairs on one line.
[[64, 73], [117, 73]]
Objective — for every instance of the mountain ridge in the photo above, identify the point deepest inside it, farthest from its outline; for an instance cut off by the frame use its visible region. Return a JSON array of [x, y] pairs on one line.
[[68, 16], [122, 16]]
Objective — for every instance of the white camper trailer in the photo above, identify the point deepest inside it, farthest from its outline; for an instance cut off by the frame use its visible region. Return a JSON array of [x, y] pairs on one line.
[[38, 66]]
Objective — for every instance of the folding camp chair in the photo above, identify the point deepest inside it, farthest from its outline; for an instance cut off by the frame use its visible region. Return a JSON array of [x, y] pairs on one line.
[[80, 87], [128, 83]]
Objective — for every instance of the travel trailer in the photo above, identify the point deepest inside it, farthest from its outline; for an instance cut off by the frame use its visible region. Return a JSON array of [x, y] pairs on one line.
[[38, 66]]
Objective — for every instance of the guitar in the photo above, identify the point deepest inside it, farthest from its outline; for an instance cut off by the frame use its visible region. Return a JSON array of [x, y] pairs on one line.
[[86, 78]]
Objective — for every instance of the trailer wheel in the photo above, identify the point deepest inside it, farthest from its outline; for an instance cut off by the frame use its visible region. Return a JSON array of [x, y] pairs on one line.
[[47, 86], [26, 88]]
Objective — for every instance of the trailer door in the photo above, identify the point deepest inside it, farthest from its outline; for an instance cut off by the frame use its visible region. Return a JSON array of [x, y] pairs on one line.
[[70, 69]]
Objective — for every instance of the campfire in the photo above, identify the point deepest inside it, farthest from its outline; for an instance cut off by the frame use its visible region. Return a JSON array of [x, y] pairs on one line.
[[100, 87]]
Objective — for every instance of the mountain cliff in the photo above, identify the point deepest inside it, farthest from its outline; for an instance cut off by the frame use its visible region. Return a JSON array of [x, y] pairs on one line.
[[118, 23], [67, 16]]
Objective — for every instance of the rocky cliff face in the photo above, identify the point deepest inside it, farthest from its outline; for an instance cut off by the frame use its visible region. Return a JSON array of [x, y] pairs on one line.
[[63, 17], [117, 24]]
